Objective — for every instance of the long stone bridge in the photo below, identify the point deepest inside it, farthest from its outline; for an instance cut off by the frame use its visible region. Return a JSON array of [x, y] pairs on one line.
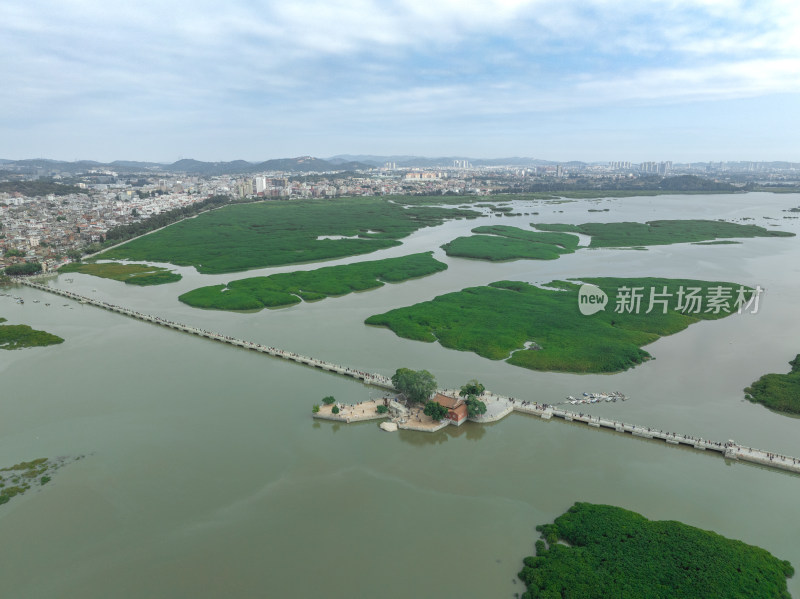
[[499, 406], [377, 380], [729, 449]]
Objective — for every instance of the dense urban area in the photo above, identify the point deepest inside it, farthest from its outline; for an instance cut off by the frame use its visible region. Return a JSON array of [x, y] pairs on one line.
[[52, 212]]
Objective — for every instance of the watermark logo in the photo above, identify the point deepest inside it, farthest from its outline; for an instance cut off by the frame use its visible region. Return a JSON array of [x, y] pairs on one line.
[[591, 299], [687, 300]]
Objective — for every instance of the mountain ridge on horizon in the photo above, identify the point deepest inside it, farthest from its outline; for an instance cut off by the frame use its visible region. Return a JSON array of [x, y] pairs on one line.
[[341, 162], [299, 164]]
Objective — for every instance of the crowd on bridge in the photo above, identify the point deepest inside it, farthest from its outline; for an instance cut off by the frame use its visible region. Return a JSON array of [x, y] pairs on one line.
[[366, 376], [756, 455]]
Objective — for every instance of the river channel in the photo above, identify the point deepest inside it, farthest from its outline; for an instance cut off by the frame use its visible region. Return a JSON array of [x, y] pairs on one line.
[[206, 476]]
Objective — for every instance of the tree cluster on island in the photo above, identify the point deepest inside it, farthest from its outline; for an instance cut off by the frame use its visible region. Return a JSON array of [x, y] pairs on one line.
[[471, 392], [600, 551], [419, 385]]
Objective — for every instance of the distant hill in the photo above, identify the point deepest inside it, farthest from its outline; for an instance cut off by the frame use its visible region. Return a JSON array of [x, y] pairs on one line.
[[302, 164], [197, 167], [134, 164], [41, 187], [405, 161], [693, 183], [305, 164]]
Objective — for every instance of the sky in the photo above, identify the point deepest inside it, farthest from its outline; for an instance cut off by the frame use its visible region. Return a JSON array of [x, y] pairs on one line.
[[592, 80]]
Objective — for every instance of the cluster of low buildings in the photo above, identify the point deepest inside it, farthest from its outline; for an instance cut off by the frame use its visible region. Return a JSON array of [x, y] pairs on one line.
[[48, 227]]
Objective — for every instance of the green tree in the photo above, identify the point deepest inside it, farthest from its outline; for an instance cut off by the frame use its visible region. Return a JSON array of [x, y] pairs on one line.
[[382, 409], [418, 385], [435, 410], [26, 268], [315, 408], [74, 255], [328, 400], [335, 410], [472, 387], [475, 406]]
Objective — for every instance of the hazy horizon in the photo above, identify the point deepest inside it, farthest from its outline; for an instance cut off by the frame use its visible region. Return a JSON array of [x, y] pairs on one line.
[[357, 157]]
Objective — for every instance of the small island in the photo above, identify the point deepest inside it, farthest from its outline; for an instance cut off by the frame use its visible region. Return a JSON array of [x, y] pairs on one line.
[[17, 336], [779, 392], [418, 404], [286, 289], [661, 232], [131, 274], [500, 242], [600, 551], [541, 328], [18, 479]]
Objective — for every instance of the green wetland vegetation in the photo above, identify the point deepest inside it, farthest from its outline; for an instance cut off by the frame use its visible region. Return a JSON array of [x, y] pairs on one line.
[[131, 274], [501, 242], [18, 336], [501, 318], [272, 233], [20, 478], [286, 289], [779, 392], [600, 551], [661, 232]]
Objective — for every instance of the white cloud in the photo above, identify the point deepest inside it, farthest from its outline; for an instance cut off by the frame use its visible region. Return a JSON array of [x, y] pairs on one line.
[[193, 63]]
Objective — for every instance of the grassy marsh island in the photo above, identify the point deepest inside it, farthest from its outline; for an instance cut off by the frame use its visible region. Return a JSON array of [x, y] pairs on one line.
[[661, 232], [543, 329], [20, 478], [246, 236], [17, 336], [779, 392], [286, 289], [598, 551], [501, 242], [131, 274]]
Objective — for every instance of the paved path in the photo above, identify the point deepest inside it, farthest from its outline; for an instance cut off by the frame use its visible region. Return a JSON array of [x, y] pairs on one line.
[[377, 380], [498, 406], [729, 449]]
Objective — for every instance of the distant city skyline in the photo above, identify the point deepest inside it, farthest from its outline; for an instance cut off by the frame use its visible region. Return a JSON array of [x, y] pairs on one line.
[[592, 81]]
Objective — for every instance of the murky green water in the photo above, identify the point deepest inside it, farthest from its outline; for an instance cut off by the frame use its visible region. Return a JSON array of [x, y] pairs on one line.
[[207, 476]]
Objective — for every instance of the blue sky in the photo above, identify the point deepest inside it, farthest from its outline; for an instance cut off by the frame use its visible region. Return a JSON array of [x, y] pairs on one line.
[[587, 80]]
